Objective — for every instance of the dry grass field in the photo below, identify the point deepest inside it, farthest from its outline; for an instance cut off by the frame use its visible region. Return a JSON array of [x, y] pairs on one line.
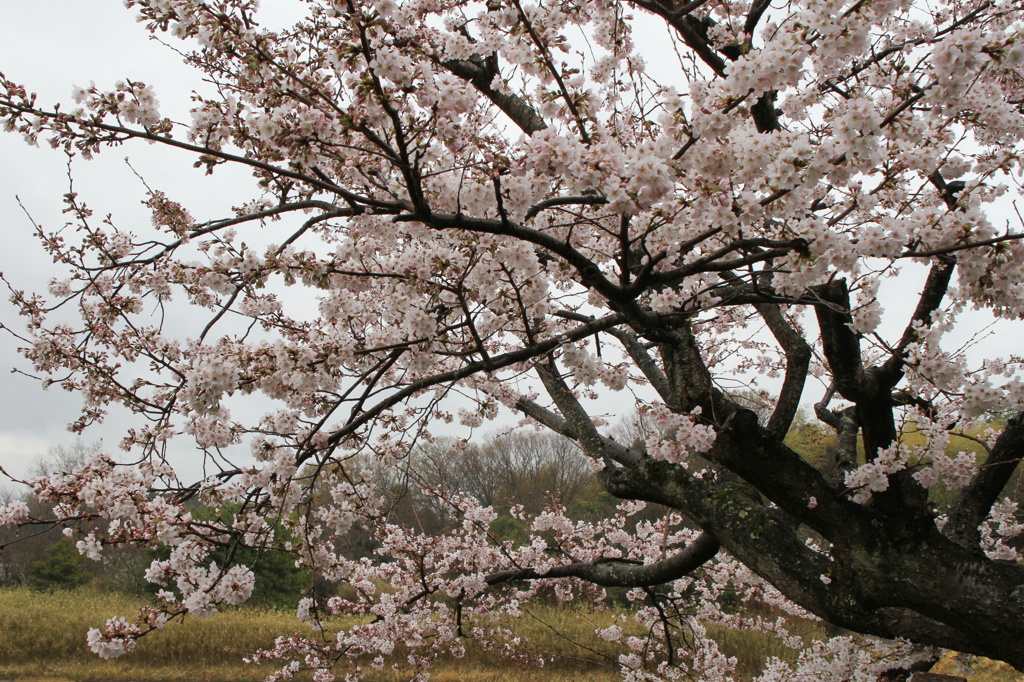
[[43, 640]]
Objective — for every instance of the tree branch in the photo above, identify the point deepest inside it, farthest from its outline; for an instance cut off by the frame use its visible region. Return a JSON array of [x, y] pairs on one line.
[[935, 287], [609, 574], [757, 9], [644, 362], [689, 29], [491, 364], [558, 424], [587, 434], [638, 352], [973, 504], [798, 360], [481, 72], [387, 207], [689, 380], [839, 343], [586, 200], [846, 427]]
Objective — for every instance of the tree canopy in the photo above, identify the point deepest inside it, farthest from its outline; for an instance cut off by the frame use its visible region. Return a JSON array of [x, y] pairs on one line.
[[538, 209]]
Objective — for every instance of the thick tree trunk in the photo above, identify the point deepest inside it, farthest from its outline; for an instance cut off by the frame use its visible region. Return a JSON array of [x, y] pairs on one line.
[[885, 575]]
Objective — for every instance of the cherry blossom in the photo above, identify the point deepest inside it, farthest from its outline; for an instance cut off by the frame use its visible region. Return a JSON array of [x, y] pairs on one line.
[[470, 213]]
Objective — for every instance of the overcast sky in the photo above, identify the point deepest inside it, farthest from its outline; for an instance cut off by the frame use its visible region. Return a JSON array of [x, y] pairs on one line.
[[51, 46]]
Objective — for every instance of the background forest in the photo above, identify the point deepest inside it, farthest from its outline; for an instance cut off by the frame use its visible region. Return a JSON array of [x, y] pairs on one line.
[[515, 472]]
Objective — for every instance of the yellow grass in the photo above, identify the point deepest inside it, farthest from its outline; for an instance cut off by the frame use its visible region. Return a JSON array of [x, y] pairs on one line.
[[42, 639], [985, 670]]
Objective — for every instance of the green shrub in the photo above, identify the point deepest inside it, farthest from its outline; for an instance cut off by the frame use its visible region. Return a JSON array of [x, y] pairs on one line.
[[62, 568]]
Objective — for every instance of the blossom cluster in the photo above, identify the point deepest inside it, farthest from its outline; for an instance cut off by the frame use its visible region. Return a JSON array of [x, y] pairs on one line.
[[466, 209]]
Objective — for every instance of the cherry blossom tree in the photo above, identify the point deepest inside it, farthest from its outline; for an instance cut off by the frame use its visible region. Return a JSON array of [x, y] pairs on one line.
[[511, 207]]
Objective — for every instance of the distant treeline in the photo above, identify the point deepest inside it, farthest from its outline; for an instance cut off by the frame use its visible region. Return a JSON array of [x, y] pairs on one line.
[[522, 468]]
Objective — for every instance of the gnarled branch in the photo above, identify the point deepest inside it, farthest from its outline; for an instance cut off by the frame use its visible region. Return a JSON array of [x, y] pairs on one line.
[[972, 505], [621, 574]]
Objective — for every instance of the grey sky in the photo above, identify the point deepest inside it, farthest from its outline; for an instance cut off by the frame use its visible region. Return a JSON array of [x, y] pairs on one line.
[[50, 46]]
